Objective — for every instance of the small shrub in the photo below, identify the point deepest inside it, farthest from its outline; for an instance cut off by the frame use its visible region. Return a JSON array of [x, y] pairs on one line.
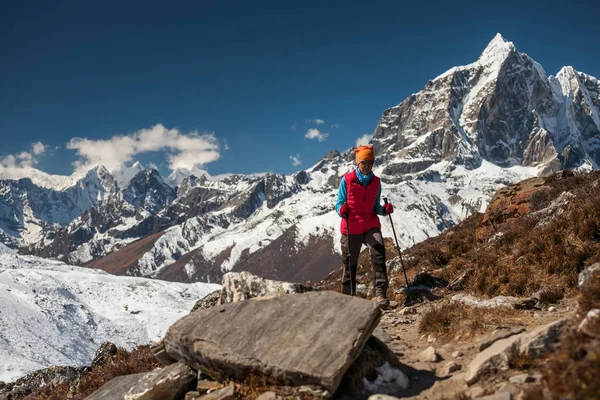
[[140, 359], [551, 295], [590, 296]]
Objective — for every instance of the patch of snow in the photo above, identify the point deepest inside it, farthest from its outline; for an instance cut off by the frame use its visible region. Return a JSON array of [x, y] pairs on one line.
[[52, 313]]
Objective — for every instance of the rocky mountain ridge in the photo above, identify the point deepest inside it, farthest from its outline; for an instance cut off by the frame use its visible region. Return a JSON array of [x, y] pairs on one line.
[[441, 154]]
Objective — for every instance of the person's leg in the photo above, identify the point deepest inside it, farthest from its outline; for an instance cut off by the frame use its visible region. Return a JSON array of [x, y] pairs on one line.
[[354, 248], [374, 240]]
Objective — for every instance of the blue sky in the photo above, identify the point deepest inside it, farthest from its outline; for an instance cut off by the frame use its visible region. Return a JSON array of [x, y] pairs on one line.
[[244, 80]]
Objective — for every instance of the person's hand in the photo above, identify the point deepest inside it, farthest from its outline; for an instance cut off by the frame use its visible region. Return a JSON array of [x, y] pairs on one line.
[[344, 210], [388, 209]]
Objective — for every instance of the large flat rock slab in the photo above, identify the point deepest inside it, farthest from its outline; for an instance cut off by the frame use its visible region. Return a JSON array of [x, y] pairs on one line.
[[293, 339], [171, 382]]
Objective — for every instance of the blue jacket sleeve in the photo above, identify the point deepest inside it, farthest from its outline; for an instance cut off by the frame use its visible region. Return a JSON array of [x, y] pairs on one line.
[[378, 206], [342, 196]]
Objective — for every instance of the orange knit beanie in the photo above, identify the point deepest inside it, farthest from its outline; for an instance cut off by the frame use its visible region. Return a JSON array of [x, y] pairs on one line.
[[364, 153]]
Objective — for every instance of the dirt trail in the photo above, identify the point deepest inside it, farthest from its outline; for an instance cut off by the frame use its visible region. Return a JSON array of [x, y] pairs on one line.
[[401, 334]]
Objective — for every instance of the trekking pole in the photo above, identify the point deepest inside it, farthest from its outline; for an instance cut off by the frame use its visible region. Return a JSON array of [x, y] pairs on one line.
[[352, 287], [385, 201]]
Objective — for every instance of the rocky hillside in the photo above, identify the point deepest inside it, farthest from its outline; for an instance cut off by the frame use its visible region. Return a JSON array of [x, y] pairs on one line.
[[504, 304]]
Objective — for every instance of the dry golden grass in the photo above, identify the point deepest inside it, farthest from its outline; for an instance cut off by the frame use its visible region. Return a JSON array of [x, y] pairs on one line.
[[572, 371], [529, 254], [450, 319]]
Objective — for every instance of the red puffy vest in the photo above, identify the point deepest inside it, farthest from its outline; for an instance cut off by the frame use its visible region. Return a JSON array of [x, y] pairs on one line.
[[361, 200]]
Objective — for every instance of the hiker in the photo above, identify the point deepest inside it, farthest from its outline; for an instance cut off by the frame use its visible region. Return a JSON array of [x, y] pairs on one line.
[[358, 205]]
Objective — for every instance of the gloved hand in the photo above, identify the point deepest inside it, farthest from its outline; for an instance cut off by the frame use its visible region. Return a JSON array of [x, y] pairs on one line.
[[344, 210], [388, 209]]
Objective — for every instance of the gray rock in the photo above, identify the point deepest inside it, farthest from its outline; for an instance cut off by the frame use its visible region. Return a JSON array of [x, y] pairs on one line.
[[586, 275], [382, 397], [498, 355], [457, 354], [297, 339], [268, 396], [227, 393], [239, 286], [495, 302], [498, 335], [210, 300], [161, 354], [590, 323], [106, 351], [171, 382], [116, 388], [536, 342], [449, 368], [521, 378], [429, 355]]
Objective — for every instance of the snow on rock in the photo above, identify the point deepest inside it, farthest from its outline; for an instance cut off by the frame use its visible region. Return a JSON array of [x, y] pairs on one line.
[[124, 174]]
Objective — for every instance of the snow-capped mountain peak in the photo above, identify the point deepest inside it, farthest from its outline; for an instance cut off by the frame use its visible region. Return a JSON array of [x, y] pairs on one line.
[[496, 51], [124, 174], [178, 175]]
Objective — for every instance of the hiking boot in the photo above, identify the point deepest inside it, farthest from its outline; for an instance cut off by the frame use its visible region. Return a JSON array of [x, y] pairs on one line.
[[382, 302]]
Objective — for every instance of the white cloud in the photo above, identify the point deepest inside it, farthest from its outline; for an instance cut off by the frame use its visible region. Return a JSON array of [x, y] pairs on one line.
[[319, 121], [336, 126], [38, 148], [25, 159], [316, 134], [296, 160], [17, 166], [187, 150], [364, 139]]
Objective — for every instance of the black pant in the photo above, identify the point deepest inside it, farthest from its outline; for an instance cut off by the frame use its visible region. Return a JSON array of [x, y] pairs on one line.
[[374, 241]]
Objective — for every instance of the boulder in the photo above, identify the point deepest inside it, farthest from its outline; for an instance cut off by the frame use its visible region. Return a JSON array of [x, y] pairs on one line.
[[585, 276], [106, 351], [238, 286], [590, 325], [500, 354], [171, 382], [495, 302], [210, 300], [296, 339], [498, 335], [116, 388]]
